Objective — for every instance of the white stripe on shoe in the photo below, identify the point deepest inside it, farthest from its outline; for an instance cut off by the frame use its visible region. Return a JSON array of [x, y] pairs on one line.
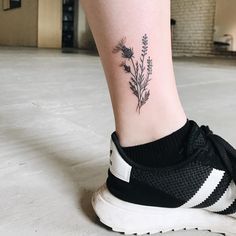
[[118, 167], [206, 189], [226, 200]]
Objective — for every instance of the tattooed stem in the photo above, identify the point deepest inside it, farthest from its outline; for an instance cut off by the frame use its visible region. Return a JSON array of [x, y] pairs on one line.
[[133, 65], [132, 74]]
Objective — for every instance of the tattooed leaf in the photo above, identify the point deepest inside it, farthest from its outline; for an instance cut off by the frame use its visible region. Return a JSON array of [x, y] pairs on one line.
[[134, 81], [147, 94], [144, 84], [133, 88], [145, 98]]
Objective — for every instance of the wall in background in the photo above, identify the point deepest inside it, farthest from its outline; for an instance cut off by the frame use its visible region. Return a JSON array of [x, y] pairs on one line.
[[85, 37], [193, 33], [194, 30], [19, 26], [225, 20], [39, 23], [49, 23]]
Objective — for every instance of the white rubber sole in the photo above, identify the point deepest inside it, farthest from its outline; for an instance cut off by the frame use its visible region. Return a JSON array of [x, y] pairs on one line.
[[132, 218]]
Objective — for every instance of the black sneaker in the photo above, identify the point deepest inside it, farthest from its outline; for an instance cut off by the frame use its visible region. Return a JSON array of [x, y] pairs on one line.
[[199, 193]]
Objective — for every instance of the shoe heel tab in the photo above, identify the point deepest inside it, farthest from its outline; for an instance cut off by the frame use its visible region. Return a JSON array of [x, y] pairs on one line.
[[118, 166]]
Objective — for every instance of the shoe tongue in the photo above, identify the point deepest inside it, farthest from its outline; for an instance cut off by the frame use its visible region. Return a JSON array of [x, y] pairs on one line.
[[196, 139]]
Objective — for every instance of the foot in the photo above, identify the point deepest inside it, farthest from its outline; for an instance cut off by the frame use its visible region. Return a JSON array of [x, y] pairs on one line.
[[199, 192]]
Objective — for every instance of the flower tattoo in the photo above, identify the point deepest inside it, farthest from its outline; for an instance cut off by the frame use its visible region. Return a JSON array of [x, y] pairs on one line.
[[139, 71]]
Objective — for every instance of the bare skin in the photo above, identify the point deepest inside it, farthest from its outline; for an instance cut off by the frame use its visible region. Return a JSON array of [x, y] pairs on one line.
[[134, 42]]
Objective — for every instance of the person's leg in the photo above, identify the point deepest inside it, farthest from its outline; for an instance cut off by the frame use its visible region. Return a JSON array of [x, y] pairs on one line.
[[134, 41]]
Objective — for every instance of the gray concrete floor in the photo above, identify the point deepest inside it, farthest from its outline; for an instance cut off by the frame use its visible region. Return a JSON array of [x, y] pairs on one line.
[[55, 125]]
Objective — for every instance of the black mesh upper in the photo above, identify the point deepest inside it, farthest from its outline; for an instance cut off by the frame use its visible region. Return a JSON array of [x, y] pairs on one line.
[[182, 183]]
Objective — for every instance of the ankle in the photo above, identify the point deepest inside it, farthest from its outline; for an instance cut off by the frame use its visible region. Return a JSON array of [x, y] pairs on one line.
[[140, 133]]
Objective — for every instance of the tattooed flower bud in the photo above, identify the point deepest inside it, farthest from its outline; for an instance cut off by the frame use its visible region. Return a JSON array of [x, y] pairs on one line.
[[149, 65], [127, 52], [127, 68]]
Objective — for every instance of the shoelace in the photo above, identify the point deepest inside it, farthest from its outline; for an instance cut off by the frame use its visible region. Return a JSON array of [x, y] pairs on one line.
[[226, 152]]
